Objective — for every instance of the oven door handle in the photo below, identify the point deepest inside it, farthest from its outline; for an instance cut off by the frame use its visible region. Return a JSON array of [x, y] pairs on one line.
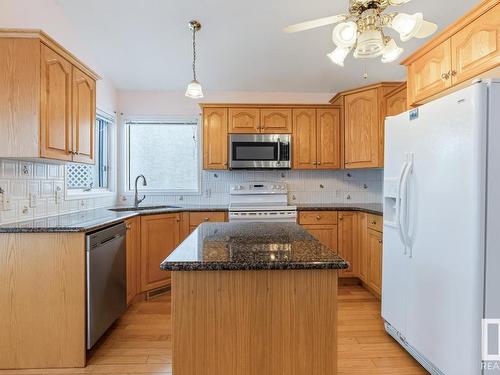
[[279, 151]]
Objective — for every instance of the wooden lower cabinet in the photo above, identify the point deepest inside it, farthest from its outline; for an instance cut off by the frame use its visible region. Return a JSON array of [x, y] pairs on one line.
[[160, 235], [363, 250], [197, 218], [133, 241], [326, 234], [348, 242], [374, 247]]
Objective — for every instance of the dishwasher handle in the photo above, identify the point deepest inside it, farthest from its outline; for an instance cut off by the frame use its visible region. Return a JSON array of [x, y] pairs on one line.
[[105, 236]]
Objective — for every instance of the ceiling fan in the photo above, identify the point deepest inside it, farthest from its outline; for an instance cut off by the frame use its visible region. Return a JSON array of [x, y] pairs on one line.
[[362, 30]]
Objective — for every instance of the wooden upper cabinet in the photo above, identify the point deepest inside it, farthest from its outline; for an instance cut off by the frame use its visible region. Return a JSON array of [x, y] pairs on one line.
[[476, 47], [467, 49], [215, 142], [361, 130], [396, 101], [84, 97], [47, 99], [276, 120], [244, 120], [328, 138], [430, 74], [304, 138], [159, 237], [55, 106]]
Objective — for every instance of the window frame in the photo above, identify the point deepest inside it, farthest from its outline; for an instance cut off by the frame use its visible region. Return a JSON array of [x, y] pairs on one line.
[[130, 121], [110, 191]]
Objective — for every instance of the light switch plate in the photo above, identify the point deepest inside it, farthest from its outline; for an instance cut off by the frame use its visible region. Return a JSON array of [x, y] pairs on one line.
[[33, 200]]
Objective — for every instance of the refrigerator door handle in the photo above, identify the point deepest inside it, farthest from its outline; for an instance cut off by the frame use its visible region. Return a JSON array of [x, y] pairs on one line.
[[398, 207], [406, 224]]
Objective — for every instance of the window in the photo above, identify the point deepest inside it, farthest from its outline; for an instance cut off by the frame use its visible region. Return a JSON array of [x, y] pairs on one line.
[[86, 178], [166, 153]]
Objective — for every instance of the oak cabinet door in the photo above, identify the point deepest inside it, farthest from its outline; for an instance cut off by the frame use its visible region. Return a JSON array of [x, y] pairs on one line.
[[133, 241], [348, 242], [84, 98], [476, 47], [159, 237], [244, 120], [215, 142], [326, 234], [375, 260], [55, 111], [396, 102], [328, 138], [363, 246], [429, 75], [304, 138], [362, 129], [276, 120]]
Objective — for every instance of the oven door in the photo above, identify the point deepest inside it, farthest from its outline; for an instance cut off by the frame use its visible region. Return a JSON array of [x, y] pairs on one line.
[[259, 151]]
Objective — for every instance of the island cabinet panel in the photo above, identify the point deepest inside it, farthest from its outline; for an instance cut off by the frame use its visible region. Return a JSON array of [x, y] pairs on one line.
[[361, 129], [304, 138], [430, 74], [133, 241], [326, 234], [215, 141], [42, 300], [375, 260], [476, 47], [55, 120], [276, 120], [244, 120], [328, 138], [160, 235], [84, 97], [254, 322], [348, 242]]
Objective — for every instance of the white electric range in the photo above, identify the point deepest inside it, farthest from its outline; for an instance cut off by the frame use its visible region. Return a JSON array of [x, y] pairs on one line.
[[261, 202]]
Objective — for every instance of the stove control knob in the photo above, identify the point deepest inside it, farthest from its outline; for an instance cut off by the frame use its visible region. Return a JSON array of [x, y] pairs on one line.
[[237, 187]]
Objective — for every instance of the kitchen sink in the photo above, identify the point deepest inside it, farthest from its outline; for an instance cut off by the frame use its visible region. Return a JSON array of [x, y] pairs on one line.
[[140, 208]]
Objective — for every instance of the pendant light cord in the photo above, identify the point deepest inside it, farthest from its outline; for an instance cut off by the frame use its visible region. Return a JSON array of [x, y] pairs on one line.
[[194, 54]]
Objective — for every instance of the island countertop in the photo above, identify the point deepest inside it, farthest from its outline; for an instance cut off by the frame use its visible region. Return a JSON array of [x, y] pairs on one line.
[[251, 246]]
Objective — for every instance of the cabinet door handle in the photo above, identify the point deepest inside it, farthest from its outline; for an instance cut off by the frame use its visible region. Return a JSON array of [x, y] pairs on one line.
[[318, 217], [206, 219], [380, 241], [445, 76], [319, 163], [373, 222], [128, 226], [453, 73]]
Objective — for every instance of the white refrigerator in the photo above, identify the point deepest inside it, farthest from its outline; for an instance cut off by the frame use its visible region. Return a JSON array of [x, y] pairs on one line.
[[441, 256]]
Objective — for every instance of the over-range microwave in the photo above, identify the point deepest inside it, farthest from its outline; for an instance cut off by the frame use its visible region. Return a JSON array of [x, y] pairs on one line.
[[260, 151]]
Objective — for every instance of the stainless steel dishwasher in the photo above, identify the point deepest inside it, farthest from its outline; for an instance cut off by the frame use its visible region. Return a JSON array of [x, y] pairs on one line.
[[106, 280]]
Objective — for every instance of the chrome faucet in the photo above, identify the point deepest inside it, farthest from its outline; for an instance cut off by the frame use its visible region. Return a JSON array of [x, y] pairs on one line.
[[138, 200]]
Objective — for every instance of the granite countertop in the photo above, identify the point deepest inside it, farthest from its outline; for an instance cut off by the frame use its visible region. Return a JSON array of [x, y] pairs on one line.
[[251, 246], [370, 208], [91, 220]]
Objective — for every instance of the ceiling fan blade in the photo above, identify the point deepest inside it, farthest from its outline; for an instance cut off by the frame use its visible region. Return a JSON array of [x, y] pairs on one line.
[[315, 23], [427, 29]]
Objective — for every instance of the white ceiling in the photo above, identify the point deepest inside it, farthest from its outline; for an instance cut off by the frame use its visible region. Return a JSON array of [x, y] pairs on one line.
[[145, 45]]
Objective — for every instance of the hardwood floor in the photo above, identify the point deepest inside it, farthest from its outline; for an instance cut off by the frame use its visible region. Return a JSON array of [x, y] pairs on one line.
[[140, 341]]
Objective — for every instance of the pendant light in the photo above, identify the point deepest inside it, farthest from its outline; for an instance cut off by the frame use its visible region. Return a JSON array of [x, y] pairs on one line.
[[194, 89]]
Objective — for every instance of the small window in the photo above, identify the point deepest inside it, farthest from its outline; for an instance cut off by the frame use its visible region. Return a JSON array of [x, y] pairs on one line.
[[166, 153], [86, 177]]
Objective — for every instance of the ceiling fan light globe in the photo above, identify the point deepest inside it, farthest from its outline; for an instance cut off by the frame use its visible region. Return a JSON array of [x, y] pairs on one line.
[[194, 90], [427, 29], [398, 2], [370, 44], [345, 34], [338, 55], [407, 25], [391, 52]]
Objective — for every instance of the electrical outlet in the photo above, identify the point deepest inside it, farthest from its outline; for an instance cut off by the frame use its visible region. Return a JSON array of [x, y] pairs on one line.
[[208, 193], [5, 202], [58, 195], [33, 200]]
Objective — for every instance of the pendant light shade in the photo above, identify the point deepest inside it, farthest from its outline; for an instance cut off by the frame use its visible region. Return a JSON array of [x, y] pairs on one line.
[[391, 52], [194, 89], [407, 25], [338, 55]]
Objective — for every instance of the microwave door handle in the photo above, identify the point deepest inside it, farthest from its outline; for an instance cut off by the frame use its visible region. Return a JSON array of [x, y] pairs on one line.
[[279, 151]]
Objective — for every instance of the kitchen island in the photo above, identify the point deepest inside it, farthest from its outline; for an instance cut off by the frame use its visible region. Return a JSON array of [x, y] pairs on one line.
[[255, 299]]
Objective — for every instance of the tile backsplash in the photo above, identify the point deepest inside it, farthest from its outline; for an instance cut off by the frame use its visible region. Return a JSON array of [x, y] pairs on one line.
[[353, 186], [20, 179]]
